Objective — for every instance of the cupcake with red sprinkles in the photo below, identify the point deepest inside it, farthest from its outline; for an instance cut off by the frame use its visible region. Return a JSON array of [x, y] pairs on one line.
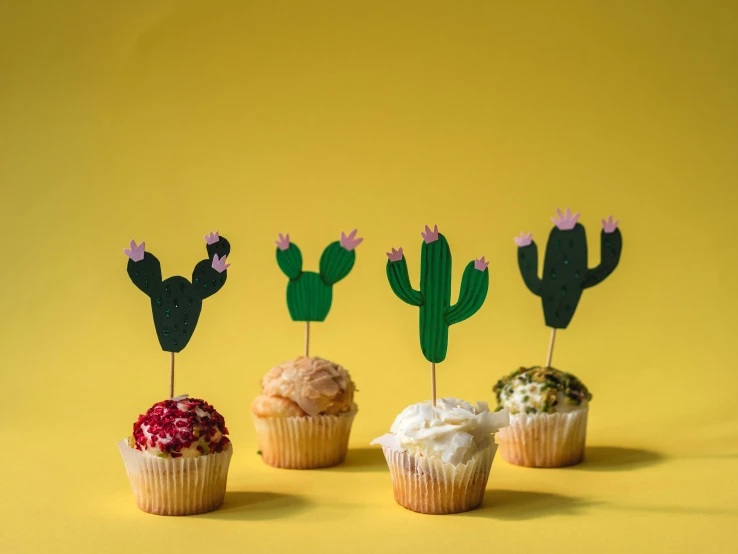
[[177, 458]]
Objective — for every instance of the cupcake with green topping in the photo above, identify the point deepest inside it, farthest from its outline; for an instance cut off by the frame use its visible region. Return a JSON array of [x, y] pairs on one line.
[[177, 458], [548, 417]]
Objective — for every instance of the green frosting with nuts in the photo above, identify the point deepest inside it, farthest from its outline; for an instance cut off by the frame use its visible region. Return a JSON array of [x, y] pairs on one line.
[[540, 390]]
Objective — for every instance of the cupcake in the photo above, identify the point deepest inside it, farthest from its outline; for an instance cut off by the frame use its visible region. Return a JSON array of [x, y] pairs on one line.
[[548, 422], [303, 415], [177, 458], [440, 457], [548, 417], [440, 452]]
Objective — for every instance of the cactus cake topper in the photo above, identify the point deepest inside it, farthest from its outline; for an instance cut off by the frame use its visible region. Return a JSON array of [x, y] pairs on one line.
[[434, 297], [175, 301], [310, 294], [565, 267]]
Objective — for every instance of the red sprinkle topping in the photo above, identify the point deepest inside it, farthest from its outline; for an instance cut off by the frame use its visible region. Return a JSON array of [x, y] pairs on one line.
[[170, 429]]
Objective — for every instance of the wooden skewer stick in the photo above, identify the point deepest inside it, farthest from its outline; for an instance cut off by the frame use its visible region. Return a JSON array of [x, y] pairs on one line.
[[433, 382], [551, 347], [171, 375], [307, 339]]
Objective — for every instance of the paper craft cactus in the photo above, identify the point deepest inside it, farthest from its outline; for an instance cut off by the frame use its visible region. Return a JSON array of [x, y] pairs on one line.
[[176, 302], [434, 297], [310, 294], [565, 271]]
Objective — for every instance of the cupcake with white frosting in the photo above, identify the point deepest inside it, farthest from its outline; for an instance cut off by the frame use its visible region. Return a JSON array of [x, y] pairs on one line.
[[440, 456], [177, 458], [548, 417], [304, 414]]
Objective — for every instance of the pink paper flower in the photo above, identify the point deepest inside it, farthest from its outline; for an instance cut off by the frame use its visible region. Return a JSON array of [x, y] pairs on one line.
[[523, 239], [284, 241], [609, 226], [480, 264], [395, 255], [136, 253], [212, 238], [220, 265], [565, 222], [350, 242], [430, 236]]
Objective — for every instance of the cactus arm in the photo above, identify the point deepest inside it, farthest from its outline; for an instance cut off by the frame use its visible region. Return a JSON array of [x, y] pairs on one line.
[[146, 273], [399, 280], [611, 247], [290, 261], [528, 264], [335, 263], [222, 248], [206, 280], [474, 286]]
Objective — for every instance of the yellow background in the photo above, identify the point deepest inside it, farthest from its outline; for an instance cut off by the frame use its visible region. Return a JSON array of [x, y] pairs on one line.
[[160, 121]]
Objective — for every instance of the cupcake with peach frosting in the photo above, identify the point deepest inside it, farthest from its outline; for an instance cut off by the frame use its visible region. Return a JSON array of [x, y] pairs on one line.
[[304, 414], [177, 458]]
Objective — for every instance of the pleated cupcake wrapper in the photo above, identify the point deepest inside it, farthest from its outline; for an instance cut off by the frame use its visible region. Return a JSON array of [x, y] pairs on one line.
[[431, 486], [176, 486], [544, 440], [304, 442]]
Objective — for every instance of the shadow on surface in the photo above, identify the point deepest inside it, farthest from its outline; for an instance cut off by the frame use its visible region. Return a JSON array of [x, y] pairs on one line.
[[616, 458], [363, 459], [520, 505], [257, 506]]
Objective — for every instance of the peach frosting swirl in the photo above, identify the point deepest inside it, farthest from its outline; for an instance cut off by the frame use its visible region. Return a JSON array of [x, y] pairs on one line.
[[305, 386]]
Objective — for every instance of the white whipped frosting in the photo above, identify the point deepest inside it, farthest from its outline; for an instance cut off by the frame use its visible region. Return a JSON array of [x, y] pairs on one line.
[[453, 430]]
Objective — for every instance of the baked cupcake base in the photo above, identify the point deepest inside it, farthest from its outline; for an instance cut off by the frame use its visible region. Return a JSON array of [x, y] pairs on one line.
[[431, 486], [176, 486], [309, 442], [544, 440]]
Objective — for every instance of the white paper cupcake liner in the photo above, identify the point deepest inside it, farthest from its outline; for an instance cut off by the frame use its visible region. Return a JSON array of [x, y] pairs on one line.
[[176, 486], [304, 442], [544, 440], [431, 486]]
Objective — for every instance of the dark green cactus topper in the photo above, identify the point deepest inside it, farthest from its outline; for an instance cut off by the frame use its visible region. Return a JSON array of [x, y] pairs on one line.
[[565, 270], [434, 297], [175, 301], [310, 294]]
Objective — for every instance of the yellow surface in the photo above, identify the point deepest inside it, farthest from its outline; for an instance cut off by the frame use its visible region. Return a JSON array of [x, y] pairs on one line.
[[162, 121]]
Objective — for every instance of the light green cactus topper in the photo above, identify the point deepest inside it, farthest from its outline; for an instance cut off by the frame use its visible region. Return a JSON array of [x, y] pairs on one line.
[[434, 297], [310, 294]]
